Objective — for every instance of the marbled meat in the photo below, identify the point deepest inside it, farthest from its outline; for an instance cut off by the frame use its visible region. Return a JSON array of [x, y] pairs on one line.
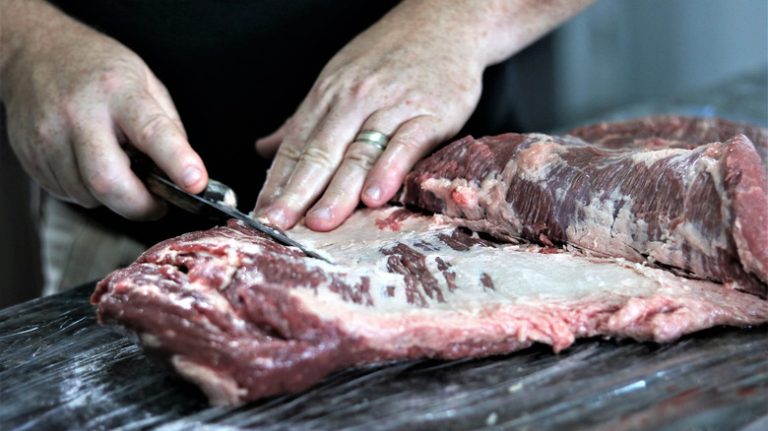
[[700, 209], [244, 317]]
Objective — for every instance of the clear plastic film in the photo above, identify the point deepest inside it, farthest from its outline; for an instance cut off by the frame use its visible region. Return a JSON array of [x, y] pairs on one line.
[[60, 370]]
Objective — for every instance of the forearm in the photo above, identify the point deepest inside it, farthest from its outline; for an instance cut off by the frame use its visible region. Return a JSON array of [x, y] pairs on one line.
[[518, 23], [489, 31], [27, 25]]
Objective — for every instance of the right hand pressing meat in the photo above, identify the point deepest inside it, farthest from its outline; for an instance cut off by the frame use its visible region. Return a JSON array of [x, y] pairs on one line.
[[72, 96]]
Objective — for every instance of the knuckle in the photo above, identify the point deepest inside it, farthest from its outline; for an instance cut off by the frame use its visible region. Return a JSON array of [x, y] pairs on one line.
[[43, 132], [326, 91], [324, 85], [267, 195], [156, 85], [409, 142], [104, 184], [152, 128], [177, 155], [289, 152], [112, 81], [70, 108], [318, 156], [359, 156], [362, 87], [411, 138]]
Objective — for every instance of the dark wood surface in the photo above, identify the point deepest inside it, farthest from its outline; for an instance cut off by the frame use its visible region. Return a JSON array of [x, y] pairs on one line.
[[60, 370]]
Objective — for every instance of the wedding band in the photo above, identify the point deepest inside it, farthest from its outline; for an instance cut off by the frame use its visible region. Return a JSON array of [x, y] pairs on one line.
[[377, 139]]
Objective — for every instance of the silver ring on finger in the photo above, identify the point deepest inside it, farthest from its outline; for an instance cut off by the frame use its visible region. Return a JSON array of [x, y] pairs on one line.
[[372, 137]]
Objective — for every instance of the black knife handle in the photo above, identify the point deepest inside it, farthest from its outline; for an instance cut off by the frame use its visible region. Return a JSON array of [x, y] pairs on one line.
[[162, 186]]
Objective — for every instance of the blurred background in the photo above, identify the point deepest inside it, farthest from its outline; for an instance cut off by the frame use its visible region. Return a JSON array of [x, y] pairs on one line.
[[620, 58], [630, 52]]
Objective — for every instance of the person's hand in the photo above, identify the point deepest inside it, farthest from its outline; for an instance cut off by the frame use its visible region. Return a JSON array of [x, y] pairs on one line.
[[72, 97], [403, 77], [415, 76]]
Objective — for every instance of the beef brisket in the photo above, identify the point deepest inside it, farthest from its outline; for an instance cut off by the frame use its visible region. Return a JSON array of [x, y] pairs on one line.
[[672, 131], [700, 210], [244, 317], [618, 237]]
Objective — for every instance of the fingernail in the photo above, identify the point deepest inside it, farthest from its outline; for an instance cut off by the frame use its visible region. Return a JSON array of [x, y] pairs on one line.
[[191, 176], [276, 216], [321, 214], [373, 192]]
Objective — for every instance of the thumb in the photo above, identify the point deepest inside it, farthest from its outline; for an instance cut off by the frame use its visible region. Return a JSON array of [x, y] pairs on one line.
[[152, 131]]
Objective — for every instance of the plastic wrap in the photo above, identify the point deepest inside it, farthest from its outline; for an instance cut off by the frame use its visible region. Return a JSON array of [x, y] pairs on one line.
[[59, 369]]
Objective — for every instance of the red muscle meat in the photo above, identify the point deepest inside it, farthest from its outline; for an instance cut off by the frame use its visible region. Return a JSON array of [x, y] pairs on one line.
[[633, 241], [701, 211]]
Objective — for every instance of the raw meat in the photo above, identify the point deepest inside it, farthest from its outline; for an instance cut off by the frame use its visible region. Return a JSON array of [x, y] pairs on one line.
[[673, 132], [655, 226], [700, 211], [244, 317]]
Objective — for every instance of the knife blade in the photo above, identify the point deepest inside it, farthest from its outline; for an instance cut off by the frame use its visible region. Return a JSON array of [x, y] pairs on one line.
[[208, 203]]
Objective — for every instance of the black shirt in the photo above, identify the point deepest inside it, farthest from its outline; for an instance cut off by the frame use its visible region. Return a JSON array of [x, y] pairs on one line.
[[236, 69]]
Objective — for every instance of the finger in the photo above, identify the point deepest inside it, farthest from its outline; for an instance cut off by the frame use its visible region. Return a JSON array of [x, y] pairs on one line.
[[63, 180], [155, 133], [267, 146], [343, 193], [42, 147], [158, 91], [289, 153], [105, 170], [316, 164], [412, 141], [277, 175]]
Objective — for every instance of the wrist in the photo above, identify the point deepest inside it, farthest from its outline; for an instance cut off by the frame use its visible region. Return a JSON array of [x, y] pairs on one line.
[[489, 31], [515, 24], [450, 29]]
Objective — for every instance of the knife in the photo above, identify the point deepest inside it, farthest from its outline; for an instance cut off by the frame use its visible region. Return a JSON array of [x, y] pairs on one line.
[[217, 201]]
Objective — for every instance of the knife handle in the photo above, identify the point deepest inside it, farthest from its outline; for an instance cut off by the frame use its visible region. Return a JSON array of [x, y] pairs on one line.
[[162, 186]]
